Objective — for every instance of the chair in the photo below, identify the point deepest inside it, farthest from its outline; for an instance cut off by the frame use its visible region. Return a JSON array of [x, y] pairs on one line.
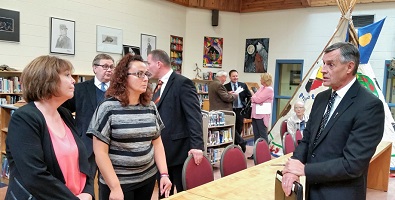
[[261, 151], [232, 160], [298, 137], [194, 175], [283, 128], [288, 143]]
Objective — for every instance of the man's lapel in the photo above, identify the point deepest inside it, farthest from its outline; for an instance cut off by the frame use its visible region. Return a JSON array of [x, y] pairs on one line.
[[167, 88], [345, 103]]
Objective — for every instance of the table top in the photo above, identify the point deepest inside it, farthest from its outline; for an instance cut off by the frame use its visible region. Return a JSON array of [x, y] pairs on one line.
[[256, 182]]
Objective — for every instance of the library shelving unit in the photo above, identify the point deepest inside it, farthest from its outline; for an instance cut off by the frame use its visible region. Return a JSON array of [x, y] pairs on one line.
[[10, 94], [6, 111], [176, 48], [218, 133], [202, 91]]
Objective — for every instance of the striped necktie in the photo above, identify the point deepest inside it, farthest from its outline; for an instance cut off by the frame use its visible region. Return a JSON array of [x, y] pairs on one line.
[[156, 95], [325, 117]]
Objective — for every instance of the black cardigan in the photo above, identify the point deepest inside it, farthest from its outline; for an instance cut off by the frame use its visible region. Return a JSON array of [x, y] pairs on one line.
[[34, 170]]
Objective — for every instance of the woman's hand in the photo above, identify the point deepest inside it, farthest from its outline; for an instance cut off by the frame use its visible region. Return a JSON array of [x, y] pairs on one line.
[[116, 194], [165, 186], [84, 196]]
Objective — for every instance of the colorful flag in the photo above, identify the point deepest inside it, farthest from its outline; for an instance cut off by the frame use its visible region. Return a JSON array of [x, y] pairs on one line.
[[367, 37]]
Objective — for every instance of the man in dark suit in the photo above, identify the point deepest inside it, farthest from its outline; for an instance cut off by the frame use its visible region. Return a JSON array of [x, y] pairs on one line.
[[87, 95], [222, 99], [178, 105], [240, 102], [337, 146]]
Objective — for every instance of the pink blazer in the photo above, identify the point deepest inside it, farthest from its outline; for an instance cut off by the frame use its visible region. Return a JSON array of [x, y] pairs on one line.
[[263, 95]]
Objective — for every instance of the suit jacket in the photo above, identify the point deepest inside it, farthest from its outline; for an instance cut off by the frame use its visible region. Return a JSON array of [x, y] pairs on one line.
[[84, 104], [35, 171], [244, 96], [180, 111], [336, 167], [219, 98]]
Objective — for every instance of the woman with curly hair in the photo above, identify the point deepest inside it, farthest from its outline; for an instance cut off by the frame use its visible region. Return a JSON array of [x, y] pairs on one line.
[[127, 143]]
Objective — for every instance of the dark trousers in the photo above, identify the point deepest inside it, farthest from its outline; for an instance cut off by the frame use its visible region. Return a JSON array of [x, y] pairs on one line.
[[141, 193], [239, 120], [260, 130], [92, 169], [238, 127], [175, 176]]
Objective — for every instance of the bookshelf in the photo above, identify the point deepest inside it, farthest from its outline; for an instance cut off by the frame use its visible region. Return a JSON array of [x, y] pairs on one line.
[[10, 94], [176, 49], [6, 111], [218, 133], [202, 91]]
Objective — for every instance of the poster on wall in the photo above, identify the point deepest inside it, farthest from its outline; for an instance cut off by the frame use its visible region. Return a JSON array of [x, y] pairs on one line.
[[108, 39], [256, 55], [148, 43], [9, 25], [212, 52], [134, 50], [62, 36]]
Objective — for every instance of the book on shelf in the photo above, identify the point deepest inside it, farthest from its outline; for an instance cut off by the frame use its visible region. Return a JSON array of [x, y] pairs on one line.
[[5, 168]]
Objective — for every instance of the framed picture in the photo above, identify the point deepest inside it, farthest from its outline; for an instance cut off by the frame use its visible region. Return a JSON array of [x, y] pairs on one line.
[[212, 52], [256, 55], [294, 77], [131, 49], [148, 43], [62, 36], [9, 25], [108, 39]]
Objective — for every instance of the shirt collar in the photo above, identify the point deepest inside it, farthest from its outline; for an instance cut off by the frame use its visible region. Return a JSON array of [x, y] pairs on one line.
[[166, 77], [344, 90], [98, 83]]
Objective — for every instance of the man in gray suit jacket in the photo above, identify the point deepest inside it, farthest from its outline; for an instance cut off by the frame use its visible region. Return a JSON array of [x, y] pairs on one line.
[[345, 126], [87, 95]]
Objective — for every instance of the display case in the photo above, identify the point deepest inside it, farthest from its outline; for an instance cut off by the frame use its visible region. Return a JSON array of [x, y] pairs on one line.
[[218, 133]]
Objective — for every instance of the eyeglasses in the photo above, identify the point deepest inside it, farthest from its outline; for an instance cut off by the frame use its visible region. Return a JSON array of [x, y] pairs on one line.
[[106, 67], [299, 108], [140, 74]]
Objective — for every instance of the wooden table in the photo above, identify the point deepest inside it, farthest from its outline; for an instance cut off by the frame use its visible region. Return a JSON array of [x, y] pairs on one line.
[[257, 182], [379, 168]]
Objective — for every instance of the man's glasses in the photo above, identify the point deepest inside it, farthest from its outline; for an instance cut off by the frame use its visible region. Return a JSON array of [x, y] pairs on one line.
[[106, 67], [141, 74]]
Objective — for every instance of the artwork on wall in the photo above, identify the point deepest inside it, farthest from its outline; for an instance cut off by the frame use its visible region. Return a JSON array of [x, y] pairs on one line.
[[131, 49], [108, 39], [62, 36], [212, 52], [148, 43], [256, 55], [9, 25]]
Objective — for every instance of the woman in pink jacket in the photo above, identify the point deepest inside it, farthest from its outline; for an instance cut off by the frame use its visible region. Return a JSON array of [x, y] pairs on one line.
[[265, 94]]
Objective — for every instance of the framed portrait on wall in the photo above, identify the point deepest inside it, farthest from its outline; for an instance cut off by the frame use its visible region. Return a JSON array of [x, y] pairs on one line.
[[108, 39], [131, 49], [62, 36], [148, 43], [256, 55], [9, 25]]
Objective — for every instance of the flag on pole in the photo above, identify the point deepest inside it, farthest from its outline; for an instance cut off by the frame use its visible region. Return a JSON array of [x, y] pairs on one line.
[[367, 37]]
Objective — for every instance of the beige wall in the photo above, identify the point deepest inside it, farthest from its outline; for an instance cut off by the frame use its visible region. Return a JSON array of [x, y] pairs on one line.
[[294, 34]]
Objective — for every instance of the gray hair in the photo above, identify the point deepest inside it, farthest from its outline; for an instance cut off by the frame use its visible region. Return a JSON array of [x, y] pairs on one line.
[[222, 73]]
